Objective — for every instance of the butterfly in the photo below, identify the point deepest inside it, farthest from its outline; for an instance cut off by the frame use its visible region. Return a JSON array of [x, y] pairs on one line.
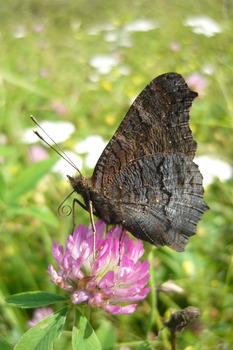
[[145, 180]]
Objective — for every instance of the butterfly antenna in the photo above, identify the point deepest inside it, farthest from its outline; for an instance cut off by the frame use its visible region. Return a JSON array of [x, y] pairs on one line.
[[62, 154]]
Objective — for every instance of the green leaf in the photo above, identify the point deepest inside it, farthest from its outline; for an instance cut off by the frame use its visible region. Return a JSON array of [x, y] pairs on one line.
[[4, 345], [2, 187], [34, 299], [30, 177], [41, 336], [144, 346], [22, 82], [6, 150], [83, 335], [41, 212], [106, 334]]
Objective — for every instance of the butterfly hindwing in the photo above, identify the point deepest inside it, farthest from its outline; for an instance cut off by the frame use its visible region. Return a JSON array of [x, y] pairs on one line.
[[160, 197]]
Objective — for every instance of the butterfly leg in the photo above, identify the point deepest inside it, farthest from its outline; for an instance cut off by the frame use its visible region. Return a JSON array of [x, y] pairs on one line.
[[73, 210], [120, 242], [93, 226]]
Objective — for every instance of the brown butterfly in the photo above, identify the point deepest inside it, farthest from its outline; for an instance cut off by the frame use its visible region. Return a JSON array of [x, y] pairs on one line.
[[145, 180]]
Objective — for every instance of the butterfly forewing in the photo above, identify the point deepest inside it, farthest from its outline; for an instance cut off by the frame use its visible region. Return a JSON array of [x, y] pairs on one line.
[[157, 121]]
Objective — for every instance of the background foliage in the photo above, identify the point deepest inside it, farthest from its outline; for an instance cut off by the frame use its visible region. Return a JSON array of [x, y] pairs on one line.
[[49, 51]]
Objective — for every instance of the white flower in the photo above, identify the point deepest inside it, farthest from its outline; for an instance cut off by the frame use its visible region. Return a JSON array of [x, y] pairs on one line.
[[140, 25], [20, 32], [110, 36], [103, 63], [212, 167], [100, 28], [208, 69], [93, 146], [203, 25], [59, 131], [64, 168], [124, 70]]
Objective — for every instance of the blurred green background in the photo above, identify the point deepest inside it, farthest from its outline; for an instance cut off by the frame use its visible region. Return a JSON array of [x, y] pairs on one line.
[[84, 62]]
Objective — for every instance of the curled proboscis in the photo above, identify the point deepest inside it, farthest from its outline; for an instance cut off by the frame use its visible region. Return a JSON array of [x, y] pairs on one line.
[[64, 210]]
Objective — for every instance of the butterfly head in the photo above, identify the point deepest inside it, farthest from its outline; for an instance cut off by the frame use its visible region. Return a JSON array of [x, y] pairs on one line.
[[80, 184], [83, 186]]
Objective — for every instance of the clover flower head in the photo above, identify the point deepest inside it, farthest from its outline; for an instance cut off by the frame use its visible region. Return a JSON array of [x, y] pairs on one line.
[[115, 276]]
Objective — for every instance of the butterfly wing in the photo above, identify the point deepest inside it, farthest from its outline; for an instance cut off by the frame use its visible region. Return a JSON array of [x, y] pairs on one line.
[[160, 198], [157, 121], [146, 173]]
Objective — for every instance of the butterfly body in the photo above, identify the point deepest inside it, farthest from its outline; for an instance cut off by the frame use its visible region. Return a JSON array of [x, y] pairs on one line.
[[105, 208], [145, 179]]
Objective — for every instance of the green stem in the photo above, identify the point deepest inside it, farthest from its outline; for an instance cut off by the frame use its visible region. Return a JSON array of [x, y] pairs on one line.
[[173, 341], [154, 316], [228, 274], [87, 312], [152, 295]]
